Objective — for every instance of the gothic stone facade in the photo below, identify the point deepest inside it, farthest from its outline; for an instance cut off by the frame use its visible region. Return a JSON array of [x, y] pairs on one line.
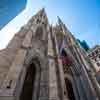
[[31, 67]]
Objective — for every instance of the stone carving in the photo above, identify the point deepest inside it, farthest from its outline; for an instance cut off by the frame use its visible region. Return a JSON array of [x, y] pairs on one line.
[[35, 52]]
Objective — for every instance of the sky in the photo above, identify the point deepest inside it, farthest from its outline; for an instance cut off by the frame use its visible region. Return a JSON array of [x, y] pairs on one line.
[[6, 13], [82, 18]]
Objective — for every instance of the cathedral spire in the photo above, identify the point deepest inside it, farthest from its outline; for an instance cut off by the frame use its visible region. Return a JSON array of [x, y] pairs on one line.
[[41, 12], [62, 25], [59, 20]]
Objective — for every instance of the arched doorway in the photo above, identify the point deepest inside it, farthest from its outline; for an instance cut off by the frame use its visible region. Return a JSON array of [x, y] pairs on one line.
[[69, 89], [28, 86]]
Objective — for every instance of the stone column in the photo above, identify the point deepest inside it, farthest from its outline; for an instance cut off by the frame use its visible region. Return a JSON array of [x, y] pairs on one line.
[[63, 93], [87, 85], [95, 84], [53, 90]]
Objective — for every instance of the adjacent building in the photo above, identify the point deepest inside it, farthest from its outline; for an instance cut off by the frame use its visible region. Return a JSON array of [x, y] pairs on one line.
[[9, 9], [94, 55]]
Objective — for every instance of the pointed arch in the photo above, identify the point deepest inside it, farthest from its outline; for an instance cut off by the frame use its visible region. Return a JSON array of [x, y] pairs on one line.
[[39, 33], [28, 85], [33, 65], [31, 83]]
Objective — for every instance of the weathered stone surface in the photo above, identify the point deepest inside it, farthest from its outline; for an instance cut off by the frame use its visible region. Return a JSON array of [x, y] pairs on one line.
[[53, 91], [10, 81], [33, 28], [7, 98], [6, 58], [27, 41], [50, 46], [15, 69], [15, 42], [36, 47]]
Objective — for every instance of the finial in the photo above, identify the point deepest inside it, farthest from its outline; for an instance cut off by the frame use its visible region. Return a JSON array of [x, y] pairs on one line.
[[59, 20]]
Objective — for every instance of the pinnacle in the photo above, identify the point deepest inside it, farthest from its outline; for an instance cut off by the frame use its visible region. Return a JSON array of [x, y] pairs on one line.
[[59, 20], [41, 12]]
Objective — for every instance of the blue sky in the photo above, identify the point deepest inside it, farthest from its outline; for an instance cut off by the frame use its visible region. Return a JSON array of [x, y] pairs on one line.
[[82, 17]]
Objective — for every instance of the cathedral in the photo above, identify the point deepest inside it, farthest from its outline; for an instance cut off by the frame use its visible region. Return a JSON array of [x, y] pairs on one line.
[[45, 62]]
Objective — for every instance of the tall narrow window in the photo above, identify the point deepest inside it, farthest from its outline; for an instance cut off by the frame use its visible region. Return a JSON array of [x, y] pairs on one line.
[[39, 33], [28, 86]]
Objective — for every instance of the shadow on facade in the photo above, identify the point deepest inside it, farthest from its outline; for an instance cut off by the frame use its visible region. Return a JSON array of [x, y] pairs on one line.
[[69, 89], [28, 86]]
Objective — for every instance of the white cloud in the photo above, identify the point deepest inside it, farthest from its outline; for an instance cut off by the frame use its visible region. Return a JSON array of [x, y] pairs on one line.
[[12, 27], [7, 33]]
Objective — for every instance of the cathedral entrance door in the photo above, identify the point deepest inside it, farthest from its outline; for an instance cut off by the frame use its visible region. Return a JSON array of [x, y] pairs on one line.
[[69, 89], [28, 86]]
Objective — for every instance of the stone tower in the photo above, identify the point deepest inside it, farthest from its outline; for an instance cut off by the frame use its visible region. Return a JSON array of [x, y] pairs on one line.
[[32, 68]]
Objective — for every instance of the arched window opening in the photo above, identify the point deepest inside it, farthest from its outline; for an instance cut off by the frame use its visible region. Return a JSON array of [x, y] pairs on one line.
[[38, 21], [28, 85], [66, 60], [39, 33], [69, 89]]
